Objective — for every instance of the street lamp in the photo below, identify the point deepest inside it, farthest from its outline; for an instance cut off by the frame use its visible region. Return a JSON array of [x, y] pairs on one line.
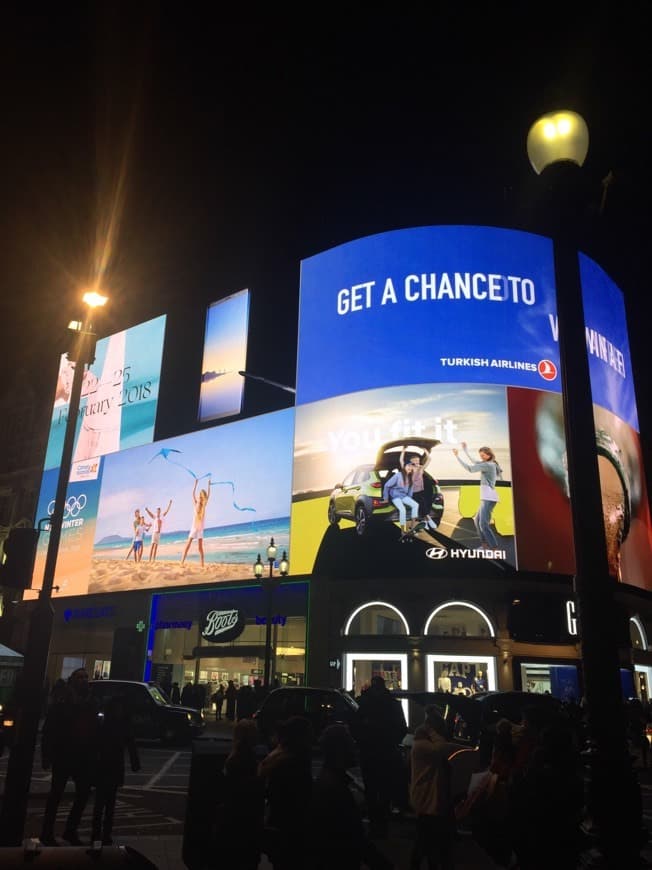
[[268, 584], [557, 145], [30, 699]]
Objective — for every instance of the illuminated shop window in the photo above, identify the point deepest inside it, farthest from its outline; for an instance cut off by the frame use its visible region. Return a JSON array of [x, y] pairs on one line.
[[377, 617], [458, 619], [637, 634]]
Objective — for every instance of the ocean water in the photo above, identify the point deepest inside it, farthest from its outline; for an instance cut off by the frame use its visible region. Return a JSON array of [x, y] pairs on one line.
[[236, 544]]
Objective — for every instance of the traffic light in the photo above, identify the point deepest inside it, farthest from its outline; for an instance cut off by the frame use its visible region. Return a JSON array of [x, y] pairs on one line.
[[17, 561]]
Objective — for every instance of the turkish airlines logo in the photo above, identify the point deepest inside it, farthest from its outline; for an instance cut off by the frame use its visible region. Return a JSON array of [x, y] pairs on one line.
[[219, 622], [437, 553], [547, 369]]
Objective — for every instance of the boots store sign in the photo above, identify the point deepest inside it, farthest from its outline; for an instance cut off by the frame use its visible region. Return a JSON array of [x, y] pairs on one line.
[[221, 626]]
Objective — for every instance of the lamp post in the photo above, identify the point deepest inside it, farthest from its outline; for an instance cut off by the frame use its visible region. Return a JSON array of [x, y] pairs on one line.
[[557, 146], [268, 584], [31, 699]]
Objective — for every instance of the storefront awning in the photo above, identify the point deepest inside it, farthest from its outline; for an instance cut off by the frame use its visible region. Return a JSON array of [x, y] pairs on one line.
[[10, 656]]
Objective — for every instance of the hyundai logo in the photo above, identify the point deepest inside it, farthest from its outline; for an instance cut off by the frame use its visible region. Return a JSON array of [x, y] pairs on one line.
[[436, 552]]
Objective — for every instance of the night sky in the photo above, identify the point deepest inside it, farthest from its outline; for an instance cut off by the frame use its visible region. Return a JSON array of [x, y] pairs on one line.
[[182, 152]]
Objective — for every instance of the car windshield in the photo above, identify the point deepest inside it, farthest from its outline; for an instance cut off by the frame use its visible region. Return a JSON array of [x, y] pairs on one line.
[[157, 695]]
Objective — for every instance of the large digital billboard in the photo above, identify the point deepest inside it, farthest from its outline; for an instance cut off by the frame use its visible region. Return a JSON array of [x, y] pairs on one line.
[[225, 354], [194, 509], [119, 395], [435, 351]]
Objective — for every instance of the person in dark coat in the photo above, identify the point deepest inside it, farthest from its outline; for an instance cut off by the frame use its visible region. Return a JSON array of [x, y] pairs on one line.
[[231, 695], [338, 838], [240, 830], [379, 730], [114, 738], [68, 746], [246, 702], [175, 694], [287, 776], [187, 695], [218, 700], [548, 795]]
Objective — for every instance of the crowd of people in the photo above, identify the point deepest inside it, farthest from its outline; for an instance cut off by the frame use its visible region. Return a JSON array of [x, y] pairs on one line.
[[88, 746], [277, 802]]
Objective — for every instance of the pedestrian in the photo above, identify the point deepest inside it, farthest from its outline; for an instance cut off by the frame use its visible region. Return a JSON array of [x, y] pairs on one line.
[[240, 826], [218, 700], [287, 777], [68, 748], [431, 794], [187, 695], [379, 730], [549, 796], [175, 694], [337, 834], [490, 820], [636, 721], [115, 737], [246, 702], [231, 695]]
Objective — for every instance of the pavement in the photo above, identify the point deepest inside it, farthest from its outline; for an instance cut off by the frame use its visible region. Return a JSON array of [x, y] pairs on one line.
[[165, 852]]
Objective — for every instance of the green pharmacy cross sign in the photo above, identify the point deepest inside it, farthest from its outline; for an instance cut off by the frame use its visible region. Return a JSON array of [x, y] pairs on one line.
[[140, 625]]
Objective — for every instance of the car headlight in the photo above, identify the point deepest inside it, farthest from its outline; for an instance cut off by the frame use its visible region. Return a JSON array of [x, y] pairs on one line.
[[189, 717]]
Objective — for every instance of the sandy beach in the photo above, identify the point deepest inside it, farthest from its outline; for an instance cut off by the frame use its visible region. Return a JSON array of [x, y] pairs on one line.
[[113, 575]]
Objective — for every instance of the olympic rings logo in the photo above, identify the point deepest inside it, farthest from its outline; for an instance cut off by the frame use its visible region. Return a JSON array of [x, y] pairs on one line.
[[74, 506]]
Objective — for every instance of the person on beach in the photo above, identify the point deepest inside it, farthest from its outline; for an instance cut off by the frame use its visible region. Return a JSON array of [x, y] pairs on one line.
[[139, 538], [135, 524], [158, 525], [197, 531]]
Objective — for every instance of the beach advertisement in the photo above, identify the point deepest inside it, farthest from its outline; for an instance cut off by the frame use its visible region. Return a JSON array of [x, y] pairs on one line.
[[119, 395], [194, 509], [225, 354], [414, 344]]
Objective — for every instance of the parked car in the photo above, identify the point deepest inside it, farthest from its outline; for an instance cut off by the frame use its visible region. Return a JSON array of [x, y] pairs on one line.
[[469, 718], [322, 707], [153, 716], [359, 496]]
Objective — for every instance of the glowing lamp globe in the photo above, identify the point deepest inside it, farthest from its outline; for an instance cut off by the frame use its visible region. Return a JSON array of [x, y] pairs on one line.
[[556, 137]]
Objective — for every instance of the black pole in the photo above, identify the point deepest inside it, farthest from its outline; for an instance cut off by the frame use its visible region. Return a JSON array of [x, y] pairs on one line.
[[32, 680], [613, 797], [268, 627]]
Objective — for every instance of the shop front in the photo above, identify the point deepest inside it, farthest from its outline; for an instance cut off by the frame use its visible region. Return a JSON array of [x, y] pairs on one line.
[[465, 645], [211, 636]]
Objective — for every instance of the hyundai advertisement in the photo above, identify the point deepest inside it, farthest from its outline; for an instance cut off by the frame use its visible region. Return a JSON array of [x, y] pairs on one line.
[[194, 509], [429, 432]]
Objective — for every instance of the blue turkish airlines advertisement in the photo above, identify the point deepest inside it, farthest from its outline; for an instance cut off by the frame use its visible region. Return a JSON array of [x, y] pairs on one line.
[[429, 428]]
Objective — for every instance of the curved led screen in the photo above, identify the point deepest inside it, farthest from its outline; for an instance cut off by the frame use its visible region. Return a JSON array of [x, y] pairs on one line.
[[435, 350]]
